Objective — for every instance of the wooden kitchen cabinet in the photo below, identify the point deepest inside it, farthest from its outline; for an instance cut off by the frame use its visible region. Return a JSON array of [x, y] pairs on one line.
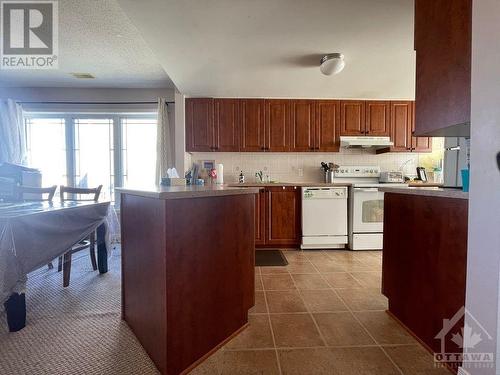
[[352, 117], [253, 129], [278, 217], [419, 144], [327, 132], [303, 125], [378, 118], [443, 39], [226, 125], [283, 216], [402, 122], [277, 121], [199, 124]]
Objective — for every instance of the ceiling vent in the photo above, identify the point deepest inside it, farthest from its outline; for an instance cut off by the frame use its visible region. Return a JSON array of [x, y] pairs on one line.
[[83, 75]]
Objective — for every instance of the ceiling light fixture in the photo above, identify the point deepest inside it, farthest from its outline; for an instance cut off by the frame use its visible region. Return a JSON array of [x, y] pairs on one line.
[[332, 63]]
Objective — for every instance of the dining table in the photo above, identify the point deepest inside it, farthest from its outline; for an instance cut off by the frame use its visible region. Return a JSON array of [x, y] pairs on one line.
[[32, 234]]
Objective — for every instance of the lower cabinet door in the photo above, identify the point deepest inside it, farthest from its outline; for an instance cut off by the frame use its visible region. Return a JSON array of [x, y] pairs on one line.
[[283, 216]]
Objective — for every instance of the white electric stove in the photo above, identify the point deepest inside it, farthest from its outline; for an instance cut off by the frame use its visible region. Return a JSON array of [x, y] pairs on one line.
[[366, 205]]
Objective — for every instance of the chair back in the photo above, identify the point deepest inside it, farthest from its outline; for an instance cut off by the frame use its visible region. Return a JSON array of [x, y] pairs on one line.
[[74, 194], [38, 191]]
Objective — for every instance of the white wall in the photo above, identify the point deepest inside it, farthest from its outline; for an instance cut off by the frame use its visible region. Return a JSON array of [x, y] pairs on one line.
[[483, 257], [57, 94]]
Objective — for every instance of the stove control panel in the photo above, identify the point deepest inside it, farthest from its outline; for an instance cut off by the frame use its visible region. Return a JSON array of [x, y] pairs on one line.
[[357, 171]]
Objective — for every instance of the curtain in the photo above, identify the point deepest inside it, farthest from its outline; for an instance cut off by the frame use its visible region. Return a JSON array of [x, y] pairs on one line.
[[164, 144], [12, 133]]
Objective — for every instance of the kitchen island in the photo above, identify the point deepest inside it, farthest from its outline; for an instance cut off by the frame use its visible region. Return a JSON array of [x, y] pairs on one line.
[[187, 269], [424, 263]]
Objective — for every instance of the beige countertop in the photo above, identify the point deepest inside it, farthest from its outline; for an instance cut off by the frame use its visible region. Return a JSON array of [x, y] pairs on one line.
[[427, 191], [278, 184], [188, 191]]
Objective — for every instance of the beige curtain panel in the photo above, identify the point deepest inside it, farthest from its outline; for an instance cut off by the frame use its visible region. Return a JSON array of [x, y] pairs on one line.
[[164, 146]]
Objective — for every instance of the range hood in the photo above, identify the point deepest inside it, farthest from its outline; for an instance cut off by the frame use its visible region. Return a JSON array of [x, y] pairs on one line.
[[365, 142]]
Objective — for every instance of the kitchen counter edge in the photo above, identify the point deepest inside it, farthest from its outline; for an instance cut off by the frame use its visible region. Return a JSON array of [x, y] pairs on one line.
[[281, 184], [427, 191], [189, 191]]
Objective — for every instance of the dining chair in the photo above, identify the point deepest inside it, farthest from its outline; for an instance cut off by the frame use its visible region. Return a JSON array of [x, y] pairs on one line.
[[68, 193], [38, 193]]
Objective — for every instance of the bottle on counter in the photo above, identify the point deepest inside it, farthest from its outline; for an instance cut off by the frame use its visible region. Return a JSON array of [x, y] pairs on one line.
[[241, 178]]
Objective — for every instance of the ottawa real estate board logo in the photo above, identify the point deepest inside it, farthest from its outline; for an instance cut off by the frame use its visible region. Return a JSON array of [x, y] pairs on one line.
[[29, 34]]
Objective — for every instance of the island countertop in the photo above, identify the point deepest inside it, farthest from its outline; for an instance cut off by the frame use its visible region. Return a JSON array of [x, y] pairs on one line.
[[427, 191], [188, 191]]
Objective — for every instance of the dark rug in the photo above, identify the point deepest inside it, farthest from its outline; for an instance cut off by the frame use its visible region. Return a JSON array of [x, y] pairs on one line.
[[264, 258]]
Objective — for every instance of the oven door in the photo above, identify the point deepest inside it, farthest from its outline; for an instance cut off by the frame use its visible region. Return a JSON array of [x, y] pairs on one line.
[[367, 210]]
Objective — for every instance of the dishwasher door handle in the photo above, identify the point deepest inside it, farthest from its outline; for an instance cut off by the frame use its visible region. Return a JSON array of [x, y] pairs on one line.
[[367, 190]]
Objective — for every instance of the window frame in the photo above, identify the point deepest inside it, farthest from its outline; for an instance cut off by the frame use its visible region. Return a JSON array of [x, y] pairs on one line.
[[69, 129]]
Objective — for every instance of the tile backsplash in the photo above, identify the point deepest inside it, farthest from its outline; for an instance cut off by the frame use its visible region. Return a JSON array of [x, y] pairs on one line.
[[303, 167]]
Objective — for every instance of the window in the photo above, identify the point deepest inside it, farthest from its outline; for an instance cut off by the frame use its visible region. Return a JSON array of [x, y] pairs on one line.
[[90, 150], [46, 145], [138, 150], [94, 154]]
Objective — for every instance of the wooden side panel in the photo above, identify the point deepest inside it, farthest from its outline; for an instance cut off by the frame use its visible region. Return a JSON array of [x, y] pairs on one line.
[[226, 125], [303, 123], [277, 117], [283, 221], [252, 121], [210, 274], [328, 125], [144, 273], [443, 35], [378, 114], [260, 218], [352, 117], [199, 124], [424, 261]]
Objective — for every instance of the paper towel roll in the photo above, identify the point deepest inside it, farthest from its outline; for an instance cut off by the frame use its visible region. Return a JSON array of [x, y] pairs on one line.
[[220, 174]]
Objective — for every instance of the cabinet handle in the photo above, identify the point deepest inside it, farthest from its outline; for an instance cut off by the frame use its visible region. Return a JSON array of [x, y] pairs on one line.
[[263, 148]]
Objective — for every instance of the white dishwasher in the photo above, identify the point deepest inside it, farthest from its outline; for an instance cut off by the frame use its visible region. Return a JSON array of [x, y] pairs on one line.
[[324, 217]]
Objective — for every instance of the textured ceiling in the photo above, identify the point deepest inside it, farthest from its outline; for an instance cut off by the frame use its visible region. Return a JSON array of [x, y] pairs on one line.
[[96, 37], [272, 47]]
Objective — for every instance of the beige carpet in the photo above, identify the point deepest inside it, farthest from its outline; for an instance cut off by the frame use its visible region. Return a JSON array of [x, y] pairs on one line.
[[76, 330]]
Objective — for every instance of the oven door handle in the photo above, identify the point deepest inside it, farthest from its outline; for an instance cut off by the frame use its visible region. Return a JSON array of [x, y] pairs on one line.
[[367, 190]]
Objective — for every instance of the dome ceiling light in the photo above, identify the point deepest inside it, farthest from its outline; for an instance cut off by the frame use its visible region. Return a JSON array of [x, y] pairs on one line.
[[332, 63]]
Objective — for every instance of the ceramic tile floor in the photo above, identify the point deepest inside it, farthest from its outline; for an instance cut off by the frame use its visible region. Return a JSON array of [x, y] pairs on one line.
[[322, 314]]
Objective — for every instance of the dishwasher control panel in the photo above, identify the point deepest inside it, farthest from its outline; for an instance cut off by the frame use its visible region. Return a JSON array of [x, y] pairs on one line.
[[324, 193]]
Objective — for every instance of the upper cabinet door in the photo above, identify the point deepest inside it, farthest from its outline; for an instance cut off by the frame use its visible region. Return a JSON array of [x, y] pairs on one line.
[[401, 123], [327, 125], [378, 120], [443, 39], [352, 117], [199, 125], [252, 119], [226, 125], [419, 144], [277, 114], [303, 125]]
